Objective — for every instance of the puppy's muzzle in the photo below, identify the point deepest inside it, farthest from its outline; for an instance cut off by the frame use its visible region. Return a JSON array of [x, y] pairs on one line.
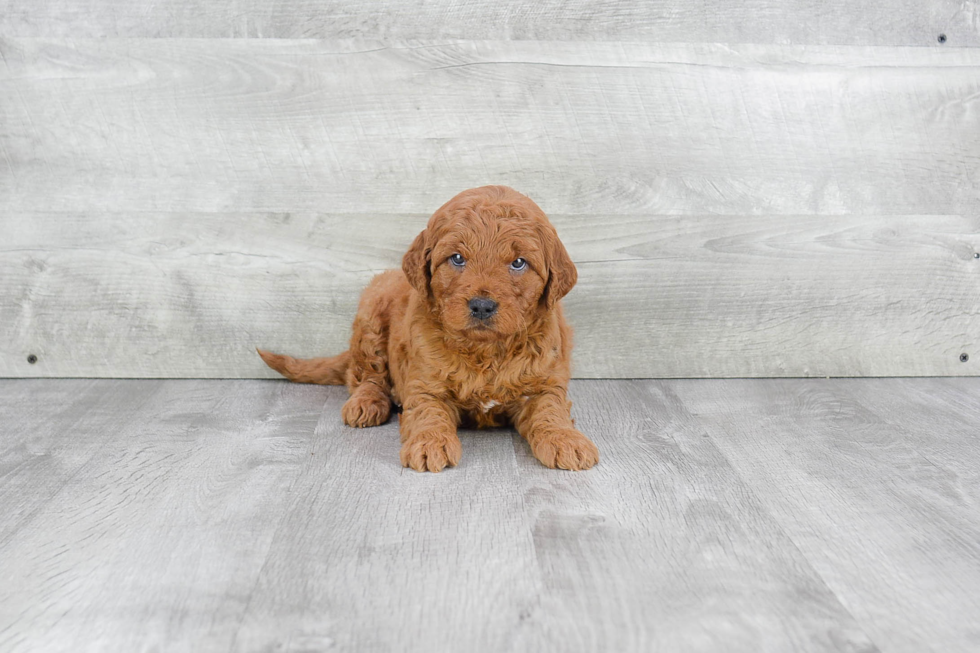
[[482, 308]]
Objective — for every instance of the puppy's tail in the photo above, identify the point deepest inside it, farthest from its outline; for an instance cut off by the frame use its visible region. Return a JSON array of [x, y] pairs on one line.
[[325, 371]]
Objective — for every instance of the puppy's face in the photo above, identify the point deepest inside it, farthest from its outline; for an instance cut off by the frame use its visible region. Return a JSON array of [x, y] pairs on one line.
[[488, 263], [487, 277]]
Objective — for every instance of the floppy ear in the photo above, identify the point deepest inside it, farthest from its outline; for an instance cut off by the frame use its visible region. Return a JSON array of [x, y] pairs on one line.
[[415, 264], [562, 274]]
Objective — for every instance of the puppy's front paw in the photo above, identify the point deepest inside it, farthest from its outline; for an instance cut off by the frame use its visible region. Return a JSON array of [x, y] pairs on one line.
[[567, 449], [431, 451], [366, 408]]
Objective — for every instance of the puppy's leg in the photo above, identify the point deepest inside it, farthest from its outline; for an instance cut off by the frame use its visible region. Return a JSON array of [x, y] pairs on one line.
[[368, 405], [368, 378], [429, 440], [545, 421], [367, 375]]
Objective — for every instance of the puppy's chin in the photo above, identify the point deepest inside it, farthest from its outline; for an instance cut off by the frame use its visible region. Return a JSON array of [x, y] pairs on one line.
[[476, 330], [482, 332]]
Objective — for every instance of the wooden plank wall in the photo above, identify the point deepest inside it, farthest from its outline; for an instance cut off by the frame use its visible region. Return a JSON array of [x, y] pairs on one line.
[[778, 189]]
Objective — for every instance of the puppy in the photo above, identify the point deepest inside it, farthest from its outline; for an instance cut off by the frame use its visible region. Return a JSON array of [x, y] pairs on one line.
[[469, 332]]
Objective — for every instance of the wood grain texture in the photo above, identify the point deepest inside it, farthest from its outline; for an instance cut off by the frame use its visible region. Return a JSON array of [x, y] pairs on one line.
[[947, 413], [191, 295], [50, 431], [236, 515], [192, 156], [157, 535], [874, 481], [880, 22], [372, 556], [662, 548], [183, 125]]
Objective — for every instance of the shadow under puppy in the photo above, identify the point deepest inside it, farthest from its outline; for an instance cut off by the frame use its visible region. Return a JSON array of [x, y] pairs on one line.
[[469, 332]]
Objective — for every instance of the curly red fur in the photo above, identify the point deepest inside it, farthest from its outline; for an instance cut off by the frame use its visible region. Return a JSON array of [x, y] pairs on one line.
[[417, 343]]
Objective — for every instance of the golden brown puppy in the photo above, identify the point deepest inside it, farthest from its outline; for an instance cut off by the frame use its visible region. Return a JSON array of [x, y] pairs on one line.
[[469, 331]]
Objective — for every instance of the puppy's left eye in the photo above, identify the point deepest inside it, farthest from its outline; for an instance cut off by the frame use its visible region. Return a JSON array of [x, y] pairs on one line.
[[457, 260], [518, 264]]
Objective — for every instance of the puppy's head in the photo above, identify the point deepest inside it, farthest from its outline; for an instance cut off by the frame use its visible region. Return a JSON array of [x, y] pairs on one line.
[[488, 263]]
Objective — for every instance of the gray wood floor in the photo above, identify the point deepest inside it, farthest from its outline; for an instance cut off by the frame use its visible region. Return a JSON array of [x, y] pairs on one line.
[[726, 515]]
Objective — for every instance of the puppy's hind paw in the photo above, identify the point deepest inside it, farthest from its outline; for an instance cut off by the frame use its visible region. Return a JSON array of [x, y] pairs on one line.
[[365, 409]]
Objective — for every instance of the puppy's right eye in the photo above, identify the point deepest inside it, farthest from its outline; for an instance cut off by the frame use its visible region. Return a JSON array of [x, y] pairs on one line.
[[457, 260]]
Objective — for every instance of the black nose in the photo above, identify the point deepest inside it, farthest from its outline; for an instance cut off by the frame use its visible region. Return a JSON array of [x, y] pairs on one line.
[[482, 308]]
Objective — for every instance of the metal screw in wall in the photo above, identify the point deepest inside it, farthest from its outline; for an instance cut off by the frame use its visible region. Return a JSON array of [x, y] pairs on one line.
[[964, 357], [942, 38], [32, 359]]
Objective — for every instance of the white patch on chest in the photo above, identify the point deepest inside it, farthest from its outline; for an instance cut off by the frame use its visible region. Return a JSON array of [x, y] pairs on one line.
[[487, 406]]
